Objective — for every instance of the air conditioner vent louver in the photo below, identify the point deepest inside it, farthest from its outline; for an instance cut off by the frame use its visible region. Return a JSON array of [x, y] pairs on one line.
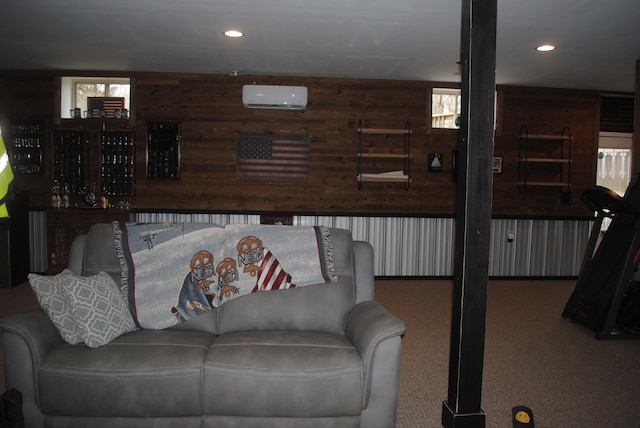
[[274, 97]]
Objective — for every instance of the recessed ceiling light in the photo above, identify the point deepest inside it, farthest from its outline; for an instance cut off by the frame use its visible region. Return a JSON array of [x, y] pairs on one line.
[[233, 33], [545, 48]]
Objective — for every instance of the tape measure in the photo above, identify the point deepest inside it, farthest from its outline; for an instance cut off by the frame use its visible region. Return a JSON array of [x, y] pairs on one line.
[[522, 417]]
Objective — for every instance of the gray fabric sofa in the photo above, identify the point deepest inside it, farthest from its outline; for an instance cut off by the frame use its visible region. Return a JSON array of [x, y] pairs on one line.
[[323, 355]]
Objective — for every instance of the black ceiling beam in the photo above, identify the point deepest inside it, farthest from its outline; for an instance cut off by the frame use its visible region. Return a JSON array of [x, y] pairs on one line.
[[462, 409]]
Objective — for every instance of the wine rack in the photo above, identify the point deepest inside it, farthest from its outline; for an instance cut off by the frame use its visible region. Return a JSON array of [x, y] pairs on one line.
[[26, 139], [69, 161], [117, 163], [163, 150]]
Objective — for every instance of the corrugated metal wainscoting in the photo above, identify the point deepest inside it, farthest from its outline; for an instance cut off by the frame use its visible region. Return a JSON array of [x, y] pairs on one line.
[[402, 246], [412, 246], [197, 218], [525, 247], [38, 253]]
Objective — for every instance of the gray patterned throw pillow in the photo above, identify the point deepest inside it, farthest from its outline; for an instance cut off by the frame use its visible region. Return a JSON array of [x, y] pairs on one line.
[[98, 308], [51, 296]]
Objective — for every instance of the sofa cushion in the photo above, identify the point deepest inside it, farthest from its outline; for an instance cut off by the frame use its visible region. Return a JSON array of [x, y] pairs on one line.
[[49, 291], [98, 309], [320, 307], [207, 323], [213, 421], [146, 373], [83, 309], [282, 374]]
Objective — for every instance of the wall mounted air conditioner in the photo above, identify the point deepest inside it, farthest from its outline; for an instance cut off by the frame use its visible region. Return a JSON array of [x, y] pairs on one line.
[[274, 97]]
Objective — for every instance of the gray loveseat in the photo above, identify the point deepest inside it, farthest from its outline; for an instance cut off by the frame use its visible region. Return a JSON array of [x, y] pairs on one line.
[[324, 355]]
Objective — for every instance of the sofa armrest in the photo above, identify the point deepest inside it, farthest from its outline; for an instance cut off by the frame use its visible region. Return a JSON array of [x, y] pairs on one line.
[[39, 335], [368, 325]]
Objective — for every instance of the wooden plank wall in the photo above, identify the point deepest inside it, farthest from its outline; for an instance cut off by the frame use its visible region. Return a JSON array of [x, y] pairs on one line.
[[210, 111], [545, 111]]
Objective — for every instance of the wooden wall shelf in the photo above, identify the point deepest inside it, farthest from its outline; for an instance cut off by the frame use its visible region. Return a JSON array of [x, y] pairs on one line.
[[537, 150], [371, 173]]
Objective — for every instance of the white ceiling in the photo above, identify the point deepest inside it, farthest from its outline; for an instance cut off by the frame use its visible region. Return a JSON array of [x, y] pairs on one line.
[[598, 40]]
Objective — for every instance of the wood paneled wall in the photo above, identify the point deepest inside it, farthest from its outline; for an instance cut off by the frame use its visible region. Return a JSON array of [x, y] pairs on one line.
[[210, 110], [545, 111]]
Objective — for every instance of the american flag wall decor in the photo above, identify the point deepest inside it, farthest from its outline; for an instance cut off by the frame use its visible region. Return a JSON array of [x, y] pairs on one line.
[[277, 158], [107, 104]]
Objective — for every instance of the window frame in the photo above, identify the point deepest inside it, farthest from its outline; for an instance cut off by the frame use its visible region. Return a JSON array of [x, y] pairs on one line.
[[68, 91], [444, 90]]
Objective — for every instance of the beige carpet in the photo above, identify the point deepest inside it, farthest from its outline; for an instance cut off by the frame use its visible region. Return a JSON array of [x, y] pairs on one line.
[[532, 356]]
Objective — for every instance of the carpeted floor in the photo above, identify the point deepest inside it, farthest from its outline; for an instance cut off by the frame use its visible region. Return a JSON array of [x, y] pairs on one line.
[[532, 356]]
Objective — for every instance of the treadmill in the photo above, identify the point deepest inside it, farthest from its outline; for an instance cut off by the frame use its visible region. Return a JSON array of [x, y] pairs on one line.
[[606, 299]]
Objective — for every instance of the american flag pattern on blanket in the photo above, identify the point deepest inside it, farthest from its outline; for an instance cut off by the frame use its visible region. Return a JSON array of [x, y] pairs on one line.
[[271, 275]]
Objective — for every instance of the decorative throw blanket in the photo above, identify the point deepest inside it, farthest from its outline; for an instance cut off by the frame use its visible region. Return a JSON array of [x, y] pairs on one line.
[[172, 272]]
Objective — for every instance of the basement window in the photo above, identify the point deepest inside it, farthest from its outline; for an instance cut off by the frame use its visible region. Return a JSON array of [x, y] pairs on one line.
[[77, 92], [445, 108], [614, 164], [614, 161]]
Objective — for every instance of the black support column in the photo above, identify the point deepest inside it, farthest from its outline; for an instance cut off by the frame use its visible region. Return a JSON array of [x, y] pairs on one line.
[[635, 145], [462, 409]]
